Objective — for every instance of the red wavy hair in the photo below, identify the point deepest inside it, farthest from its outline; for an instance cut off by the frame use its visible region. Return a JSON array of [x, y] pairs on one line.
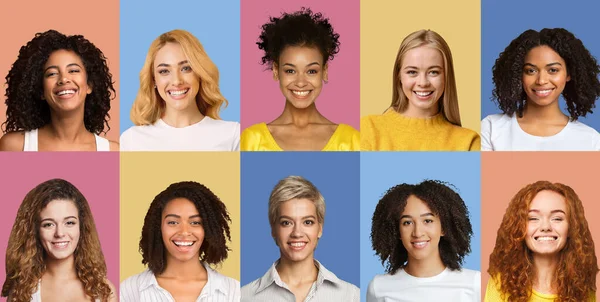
[[511, 262]]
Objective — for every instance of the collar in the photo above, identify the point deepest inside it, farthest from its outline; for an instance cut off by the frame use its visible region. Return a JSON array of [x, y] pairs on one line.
[[215, 281], [272, 276]]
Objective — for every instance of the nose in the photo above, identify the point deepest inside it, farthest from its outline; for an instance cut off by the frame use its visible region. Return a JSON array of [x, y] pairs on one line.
[[417, 232], [59, 232], [178, 79], [64, 79], [422, 80], [296, 232], [545, 226], [185, 229], [542, 78], [301, 80]]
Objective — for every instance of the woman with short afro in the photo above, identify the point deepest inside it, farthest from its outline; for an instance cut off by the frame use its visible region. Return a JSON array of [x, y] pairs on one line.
[[58, 96], [297, 48], [529, 77], [422, 233]]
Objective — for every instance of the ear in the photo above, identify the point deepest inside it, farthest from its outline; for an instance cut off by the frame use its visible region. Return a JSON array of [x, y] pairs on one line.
[[568, 78], [275, 69], [325, 73], [320, 231], [89, 90]]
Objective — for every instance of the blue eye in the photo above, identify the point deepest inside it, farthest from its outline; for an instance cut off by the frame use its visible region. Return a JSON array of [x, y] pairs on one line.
[[186, 68]]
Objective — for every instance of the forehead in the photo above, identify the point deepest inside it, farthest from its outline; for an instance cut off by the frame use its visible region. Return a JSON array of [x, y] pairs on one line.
[[543, 55], [423, 56], [298, 207], [415, 206], [171, 53], [59, 208], [63, 57], [181, 207], [298, 55], [547, 201]]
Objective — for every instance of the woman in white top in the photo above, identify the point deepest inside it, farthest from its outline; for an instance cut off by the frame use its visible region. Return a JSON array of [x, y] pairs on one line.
[[296, 215], [54, 251], [529, 77], [58, 96], [177, 105], [186, 228], [423, 233]]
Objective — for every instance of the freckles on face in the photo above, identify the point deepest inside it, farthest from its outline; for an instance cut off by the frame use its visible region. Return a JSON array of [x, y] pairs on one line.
[[547, 223], [544, 75], [297, 229], [59, 229], [182, 230], [176, 83], [300, 72], [422, 79], [65, 81], [420, 230]]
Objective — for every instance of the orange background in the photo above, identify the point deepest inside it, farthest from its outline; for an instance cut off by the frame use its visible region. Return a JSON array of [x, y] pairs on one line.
[[503, 174], [96, 21]]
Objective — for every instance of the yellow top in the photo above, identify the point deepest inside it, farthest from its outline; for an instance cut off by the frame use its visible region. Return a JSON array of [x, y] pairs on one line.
[[258, 138], [492, 294], [392, 131]]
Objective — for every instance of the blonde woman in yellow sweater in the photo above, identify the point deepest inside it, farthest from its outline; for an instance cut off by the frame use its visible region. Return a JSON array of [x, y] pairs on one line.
[[424, 111]]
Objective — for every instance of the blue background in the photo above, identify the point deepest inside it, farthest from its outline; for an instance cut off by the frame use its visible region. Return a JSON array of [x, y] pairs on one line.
[[381, 171], [215, 23], [503, 21], [336, 175]]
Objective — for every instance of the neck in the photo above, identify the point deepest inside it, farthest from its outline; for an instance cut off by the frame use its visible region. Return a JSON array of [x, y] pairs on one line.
[[182, 118], [551, 112], [295, 272], [300, 116], [545, 267], [413, 112], [61, 269], [67, 127], [191, 269], [423, 268]]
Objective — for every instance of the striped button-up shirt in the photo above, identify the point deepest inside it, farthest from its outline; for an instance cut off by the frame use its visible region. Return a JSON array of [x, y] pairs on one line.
[[327, 288], [144, 288]]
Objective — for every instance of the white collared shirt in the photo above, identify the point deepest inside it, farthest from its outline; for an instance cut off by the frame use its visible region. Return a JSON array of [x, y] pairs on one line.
[[327, 288], [143, 287]]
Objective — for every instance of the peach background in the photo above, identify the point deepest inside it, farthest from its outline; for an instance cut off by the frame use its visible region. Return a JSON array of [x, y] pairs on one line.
[[504, 174], [97, 22]]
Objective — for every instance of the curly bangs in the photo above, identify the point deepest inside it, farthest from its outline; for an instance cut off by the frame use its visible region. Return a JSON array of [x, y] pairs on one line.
[[580, 92], [301, 28], [443, 201], [215, 221], [25, 108]]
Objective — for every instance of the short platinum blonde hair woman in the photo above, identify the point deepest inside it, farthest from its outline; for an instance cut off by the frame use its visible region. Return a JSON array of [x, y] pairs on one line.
[[295, 187], [429, 38], [148, 106]]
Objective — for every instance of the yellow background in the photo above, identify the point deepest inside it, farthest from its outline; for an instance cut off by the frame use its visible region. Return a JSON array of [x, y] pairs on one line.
[[145, 174], [383, 26]]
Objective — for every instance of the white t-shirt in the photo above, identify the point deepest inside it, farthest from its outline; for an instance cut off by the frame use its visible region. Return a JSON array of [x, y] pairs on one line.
[[447, 286], [501, 132], [206, 135]]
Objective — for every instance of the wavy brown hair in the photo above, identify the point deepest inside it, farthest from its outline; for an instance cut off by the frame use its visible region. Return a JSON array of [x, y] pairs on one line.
[[511, 262], [25, 258]]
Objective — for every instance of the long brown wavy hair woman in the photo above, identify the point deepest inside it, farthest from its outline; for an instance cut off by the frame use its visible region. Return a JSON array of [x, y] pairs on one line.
[[67, 246], [544, 248]]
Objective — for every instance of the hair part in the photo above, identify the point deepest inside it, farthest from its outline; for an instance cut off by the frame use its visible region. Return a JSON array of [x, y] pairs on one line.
[[148, 106]]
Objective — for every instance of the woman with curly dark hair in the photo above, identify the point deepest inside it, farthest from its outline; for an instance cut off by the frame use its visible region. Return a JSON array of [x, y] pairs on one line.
[[297, 48], [544, 249], [53, 249], [422, 234], [58, 96], [529, 77], [186, 229]]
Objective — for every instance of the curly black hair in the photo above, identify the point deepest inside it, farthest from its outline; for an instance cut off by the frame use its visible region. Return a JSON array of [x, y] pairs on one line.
[[443, 201], [25, 110], [215, 221], [580, 92], [301, 28]]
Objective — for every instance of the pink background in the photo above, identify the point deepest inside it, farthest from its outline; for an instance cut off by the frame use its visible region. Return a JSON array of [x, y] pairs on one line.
[[262, 101], [96, 175]]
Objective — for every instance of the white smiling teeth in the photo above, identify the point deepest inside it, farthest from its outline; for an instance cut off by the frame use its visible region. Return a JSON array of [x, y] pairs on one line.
[[301, 93], [298, 244], [546, 239], [420, 93], [60, 244], [420, 244], [178, 92], [183, 243], [63, 92]]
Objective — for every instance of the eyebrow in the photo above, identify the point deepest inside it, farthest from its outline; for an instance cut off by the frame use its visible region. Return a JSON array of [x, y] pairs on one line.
[[422, 215], [547, 65], [167, 65], [551, 212], [178, 217], [430, 67], [68, 217], [55, 66], [290, 218], [311, 64]]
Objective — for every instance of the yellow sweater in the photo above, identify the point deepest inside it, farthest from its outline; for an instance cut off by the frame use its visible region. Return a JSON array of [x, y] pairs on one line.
[[393, 132], [258, 138], [492, 294]]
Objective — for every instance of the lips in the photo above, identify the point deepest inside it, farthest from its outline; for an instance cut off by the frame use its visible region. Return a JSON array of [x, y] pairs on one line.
[[60, 244], [543, 92], [421, 244], [301, 94], [297, 245], [178, 93], [423, 95], [65, 93], [546, 238]]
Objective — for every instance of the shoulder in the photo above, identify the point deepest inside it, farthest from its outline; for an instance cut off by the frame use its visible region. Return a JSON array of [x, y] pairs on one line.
[[113, 292], [466, 274], [379, 281], [255, 131], [12, 141], [224, 125], [131, 287], [348, 130], [584, 129], [371, 120], [496, 120], [114, 146]]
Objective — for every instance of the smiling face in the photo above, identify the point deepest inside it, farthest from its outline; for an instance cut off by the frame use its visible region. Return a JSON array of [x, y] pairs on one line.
[[422, 79], [59, 229], [547, 223], [297, 229], [420, 230], [300, 72], [182, 230], [544, 76], [175, 81], [65, 81]]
